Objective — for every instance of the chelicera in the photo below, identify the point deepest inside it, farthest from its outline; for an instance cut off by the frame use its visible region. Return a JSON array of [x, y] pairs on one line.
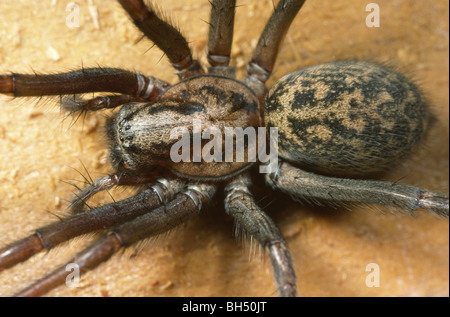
[[330, 126]]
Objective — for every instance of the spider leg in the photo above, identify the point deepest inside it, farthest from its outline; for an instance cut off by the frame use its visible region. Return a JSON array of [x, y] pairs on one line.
[[95, 219], [304, 185], [165, 36], [221, 25], [251, 219], [83, 81], [184, 205], [105, 183], [103, 102], [261, 65]]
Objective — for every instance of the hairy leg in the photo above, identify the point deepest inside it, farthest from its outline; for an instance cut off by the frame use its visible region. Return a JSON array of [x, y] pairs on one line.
[[252, 220], [184, 205], [263, 60], [316, 188], [95, 219], [165, 36], [221, 25]]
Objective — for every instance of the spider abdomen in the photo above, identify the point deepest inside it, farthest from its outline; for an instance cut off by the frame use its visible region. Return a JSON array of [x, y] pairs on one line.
[[346, 118]]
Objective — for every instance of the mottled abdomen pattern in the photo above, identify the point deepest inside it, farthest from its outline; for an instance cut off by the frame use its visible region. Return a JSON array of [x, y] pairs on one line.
[[346, 118]]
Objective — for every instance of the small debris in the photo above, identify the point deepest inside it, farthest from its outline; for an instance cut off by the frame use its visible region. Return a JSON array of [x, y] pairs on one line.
[[166, 286], [94, 14], [52, 53], [57, 202]]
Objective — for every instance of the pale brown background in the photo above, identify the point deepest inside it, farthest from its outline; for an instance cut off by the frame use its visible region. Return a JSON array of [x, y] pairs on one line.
[[202, 258]]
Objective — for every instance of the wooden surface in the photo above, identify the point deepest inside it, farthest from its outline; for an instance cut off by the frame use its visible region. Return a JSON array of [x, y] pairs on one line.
[[331, 249]]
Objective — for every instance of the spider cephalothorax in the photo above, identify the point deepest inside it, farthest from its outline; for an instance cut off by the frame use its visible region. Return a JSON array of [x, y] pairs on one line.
[[143, 135], [342, 119]]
